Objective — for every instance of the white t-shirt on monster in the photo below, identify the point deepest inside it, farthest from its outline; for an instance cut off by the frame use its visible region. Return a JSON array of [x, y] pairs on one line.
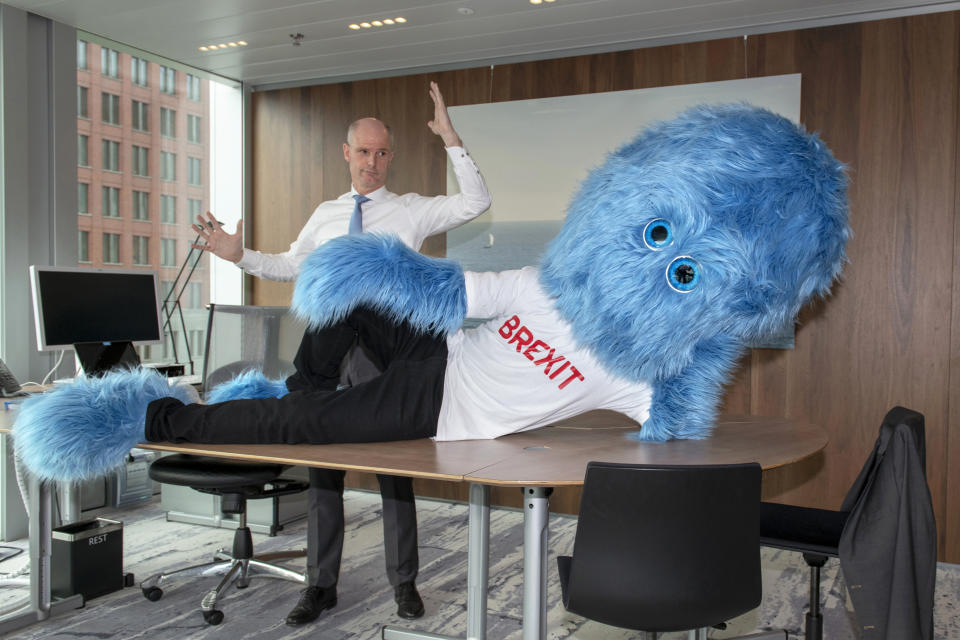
[[523, 369]]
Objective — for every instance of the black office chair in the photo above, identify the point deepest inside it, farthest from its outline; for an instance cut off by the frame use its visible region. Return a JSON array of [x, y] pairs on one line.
[[253, 335], [235, 483], [665, 548], [891, 483]]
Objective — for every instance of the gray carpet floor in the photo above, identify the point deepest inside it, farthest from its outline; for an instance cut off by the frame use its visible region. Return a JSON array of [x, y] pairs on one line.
[[365, 598]]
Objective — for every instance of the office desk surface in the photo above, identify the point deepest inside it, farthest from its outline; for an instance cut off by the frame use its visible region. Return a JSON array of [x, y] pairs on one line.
[[552, 456], [548, 457]]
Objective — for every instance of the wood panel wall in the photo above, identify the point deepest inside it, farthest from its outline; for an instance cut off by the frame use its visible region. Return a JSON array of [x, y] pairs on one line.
[[884, 96]]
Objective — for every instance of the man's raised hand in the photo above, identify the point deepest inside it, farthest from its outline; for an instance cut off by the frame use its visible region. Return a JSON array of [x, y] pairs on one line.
[[214, 239]]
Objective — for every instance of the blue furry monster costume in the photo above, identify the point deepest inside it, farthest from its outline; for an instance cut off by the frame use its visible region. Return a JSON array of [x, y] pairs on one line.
[[704, 233]]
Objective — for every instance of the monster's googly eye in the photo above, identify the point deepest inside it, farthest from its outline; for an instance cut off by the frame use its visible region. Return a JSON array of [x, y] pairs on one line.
[[683, 274], [658, 234]]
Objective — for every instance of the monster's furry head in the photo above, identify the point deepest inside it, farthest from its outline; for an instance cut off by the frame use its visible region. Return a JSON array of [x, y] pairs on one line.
[[721, 222]]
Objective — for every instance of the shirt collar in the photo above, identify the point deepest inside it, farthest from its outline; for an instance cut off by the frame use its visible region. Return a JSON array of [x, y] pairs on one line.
[[376, 196]]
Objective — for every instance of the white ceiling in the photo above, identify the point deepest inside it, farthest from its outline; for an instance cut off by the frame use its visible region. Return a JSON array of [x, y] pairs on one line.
[[438, 34]]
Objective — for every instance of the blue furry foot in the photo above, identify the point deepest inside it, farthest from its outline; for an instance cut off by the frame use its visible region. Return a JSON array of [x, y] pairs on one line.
[[86, 429], [248, 385], [382, 273]]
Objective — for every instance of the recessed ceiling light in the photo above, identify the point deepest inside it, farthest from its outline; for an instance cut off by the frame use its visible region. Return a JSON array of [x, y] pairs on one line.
[[379, 22], [222, 45], [535, 1]]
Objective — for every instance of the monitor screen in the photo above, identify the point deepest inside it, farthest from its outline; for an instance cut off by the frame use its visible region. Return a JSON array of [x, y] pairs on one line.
[[81, 306]]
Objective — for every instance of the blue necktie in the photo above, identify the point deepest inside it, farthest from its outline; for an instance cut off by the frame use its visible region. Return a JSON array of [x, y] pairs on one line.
[[356, 220]]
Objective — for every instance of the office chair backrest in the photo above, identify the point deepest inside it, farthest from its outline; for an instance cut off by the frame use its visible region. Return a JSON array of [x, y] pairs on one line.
[[665, 548], [242, 337]]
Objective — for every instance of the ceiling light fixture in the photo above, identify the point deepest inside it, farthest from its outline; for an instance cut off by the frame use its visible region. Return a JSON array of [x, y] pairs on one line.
[[379, 22], [541, 1], [222, 45]]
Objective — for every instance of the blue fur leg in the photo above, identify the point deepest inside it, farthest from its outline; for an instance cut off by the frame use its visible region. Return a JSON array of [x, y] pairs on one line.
[[86, 429], [248, 385], [383, 274], [685, 406]]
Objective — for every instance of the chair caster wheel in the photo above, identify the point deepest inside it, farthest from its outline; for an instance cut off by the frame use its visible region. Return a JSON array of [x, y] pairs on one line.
[[153, 593], [214, 616]]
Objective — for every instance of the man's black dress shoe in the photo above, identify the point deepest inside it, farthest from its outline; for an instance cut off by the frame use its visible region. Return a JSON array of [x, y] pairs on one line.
[[313, 602], [409, 604]]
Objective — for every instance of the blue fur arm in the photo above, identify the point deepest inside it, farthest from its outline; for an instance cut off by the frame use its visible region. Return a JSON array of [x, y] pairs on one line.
[[684, 406], [86, 429], [383, 274], [247, 385]]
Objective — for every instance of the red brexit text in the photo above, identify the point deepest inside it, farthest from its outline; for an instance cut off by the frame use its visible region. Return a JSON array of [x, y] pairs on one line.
[[539, 352]]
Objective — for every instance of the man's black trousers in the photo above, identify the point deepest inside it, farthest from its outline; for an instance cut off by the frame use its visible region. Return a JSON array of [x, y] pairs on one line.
[[402, 402]]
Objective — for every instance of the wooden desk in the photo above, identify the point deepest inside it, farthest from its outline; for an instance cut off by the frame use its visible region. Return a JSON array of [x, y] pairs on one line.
[[534, 460]]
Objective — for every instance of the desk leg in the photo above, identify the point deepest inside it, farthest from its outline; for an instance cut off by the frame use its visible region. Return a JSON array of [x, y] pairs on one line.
[[478, 555], [536, 514], [41, 532]]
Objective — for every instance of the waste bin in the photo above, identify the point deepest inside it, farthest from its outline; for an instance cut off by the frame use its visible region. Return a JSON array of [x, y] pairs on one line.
[[87, 558]]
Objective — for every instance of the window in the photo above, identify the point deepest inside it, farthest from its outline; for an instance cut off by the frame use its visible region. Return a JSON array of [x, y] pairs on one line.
[[83, 151], [166, 286], [168, 252], [138, 71], [82, 111], [110, 108], [83, 247], [193, 172], [172, 337], [196, 341], [193, 87], [141, 205], [194, 295], [111, 248], [196, 208], [139, 115], [168, 122], [141, 250], [138, 161], [168, 166], [111, 155], [111, 201], [168, 209], [150, 117], [83, 198], [108, 62], [193, 128], [168, 80]]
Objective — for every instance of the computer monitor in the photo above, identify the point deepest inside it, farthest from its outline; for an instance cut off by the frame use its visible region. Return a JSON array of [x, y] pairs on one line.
[[99, 313]]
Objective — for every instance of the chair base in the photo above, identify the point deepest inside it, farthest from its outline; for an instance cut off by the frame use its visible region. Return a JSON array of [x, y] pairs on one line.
[[237, 571]]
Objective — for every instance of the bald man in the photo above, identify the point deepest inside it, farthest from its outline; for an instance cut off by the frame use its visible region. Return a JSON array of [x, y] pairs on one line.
[[368, 206]]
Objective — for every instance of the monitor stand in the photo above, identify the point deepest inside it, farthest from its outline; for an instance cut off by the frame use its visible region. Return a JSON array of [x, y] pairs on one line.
[[97, 358]]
